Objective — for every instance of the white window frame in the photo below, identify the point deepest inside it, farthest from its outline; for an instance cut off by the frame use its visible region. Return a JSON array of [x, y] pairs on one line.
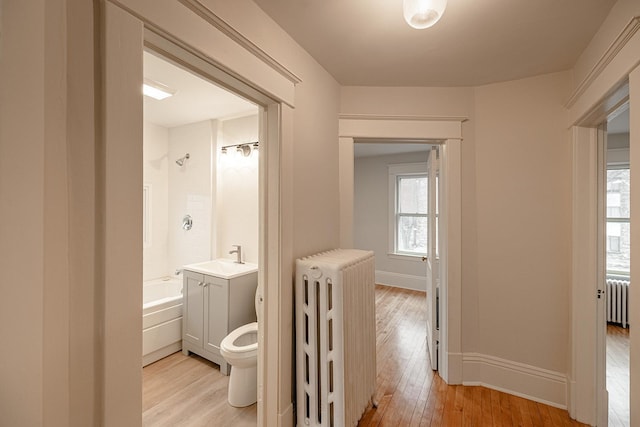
[[619, 220], [396, 171]]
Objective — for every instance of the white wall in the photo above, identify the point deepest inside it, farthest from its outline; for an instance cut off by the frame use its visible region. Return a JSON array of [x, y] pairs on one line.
[[237, 190], [371, 220], [156, 174], [191, 193], [223, 199]]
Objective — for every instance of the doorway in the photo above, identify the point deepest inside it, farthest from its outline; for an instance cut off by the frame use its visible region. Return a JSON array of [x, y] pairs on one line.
[[617, 265], [200, 200], [417, 129], [394, 215], [120, 181]]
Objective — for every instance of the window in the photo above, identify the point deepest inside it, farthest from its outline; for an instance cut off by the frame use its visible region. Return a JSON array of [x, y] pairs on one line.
[[411, 214], [618, 241], [408, 213]]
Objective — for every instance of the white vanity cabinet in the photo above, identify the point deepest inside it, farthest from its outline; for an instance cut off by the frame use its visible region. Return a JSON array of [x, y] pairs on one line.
[[212, 308]]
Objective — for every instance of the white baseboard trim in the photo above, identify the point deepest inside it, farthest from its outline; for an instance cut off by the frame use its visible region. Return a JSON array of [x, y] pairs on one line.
[[571, 398], [154, 356], [285, 419], [399, 280], [455, 368], [527, 381]]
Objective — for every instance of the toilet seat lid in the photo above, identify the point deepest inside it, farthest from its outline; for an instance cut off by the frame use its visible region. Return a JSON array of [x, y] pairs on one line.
[[228, 343]]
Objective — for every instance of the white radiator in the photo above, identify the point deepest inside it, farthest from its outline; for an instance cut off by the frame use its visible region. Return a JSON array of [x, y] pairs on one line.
[[335, 337], [618, 301]]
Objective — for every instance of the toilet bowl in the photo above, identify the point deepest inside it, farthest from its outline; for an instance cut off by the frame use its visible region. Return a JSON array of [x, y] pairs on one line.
[[240, 350]]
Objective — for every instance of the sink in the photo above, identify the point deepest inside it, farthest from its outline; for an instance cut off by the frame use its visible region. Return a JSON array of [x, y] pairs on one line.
[[222, 268]]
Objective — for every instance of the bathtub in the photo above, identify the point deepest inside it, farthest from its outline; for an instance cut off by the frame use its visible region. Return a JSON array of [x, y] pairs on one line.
[[161, 318]]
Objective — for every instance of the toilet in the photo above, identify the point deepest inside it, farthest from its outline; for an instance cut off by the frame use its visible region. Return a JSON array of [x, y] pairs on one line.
[[240, 350]]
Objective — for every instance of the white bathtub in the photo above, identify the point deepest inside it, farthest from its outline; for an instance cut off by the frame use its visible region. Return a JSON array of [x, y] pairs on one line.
[[161, 318]]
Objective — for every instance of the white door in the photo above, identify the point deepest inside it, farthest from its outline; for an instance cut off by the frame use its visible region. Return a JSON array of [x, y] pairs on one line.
[[433, 276], [601, 334]]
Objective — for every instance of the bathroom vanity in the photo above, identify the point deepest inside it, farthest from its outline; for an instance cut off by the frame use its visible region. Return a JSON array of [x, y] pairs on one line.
[[218, 297]]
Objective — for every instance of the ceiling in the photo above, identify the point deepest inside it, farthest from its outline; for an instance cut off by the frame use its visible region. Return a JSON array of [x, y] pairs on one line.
[[195, 99], [368, 43]]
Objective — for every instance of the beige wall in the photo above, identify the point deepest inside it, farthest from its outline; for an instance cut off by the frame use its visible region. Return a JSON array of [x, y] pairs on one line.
[[22, 138], [523, 178]]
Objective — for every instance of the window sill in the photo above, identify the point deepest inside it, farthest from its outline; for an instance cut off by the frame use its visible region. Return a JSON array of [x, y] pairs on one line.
[[405, 257], [618, 276]]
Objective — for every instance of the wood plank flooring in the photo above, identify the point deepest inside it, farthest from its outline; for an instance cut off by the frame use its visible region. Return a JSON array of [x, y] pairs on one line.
[[618, 375], [190, 391], [409, 393]]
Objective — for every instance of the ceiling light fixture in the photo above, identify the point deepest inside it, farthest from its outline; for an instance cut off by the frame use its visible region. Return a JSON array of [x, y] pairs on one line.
[[423, 13], [156, 90], [244, 150]]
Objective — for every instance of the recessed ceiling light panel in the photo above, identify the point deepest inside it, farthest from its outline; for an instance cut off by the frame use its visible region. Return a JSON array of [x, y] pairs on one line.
[[156, 90]]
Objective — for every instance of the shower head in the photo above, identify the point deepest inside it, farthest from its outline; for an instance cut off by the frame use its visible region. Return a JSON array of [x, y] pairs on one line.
[[181, 160]]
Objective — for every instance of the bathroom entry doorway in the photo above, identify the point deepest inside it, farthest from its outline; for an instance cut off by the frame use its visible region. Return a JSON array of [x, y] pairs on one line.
[[201, 150], [187, 42]]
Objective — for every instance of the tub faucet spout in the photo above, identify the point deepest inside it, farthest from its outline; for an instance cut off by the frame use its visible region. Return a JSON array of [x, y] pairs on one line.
[[238, 252]]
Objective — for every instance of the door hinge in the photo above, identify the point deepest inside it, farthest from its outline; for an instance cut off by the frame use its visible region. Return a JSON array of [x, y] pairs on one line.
[[600, 293]]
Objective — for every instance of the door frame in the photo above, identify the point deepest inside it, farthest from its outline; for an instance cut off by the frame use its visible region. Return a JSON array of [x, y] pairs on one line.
[[432, 259], [128, 27], [447, 132]]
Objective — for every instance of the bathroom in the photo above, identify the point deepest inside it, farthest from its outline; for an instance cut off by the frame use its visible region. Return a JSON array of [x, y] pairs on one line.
[[199, 201]]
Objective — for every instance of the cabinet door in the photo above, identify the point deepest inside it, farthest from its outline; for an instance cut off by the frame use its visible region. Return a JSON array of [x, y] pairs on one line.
[[193, 308], [217, 292]]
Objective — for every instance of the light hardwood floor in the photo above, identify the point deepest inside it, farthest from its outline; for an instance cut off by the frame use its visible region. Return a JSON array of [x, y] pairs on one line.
[[618, 375], [410, 394], [190, 391]]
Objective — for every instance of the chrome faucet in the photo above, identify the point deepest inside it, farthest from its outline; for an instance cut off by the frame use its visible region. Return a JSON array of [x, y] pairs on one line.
[[238, 252]]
